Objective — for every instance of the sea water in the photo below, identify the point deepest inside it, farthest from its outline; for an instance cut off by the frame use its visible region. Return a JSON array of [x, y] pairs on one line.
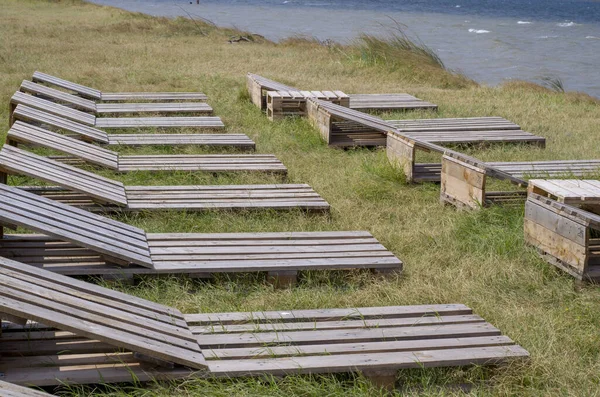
[[490, 41]]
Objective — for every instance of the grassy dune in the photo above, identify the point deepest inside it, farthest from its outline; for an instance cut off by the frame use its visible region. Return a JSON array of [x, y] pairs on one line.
[[478, 258]]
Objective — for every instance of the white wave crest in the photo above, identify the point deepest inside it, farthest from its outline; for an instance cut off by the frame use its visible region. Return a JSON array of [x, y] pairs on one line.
[[592, 37], [567, 24], [523, 22], [478, 31]]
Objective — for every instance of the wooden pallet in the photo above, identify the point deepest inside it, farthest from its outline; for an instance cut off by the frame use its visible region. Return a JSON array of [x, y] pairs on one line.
[[464, 184], [388, 102], [281, 255], [258, 86], [96, 95], [281, 104], [119, 243], [20, 98], [565, 236], [575, 192], [465, 131], [37, 117], [155, 332], [377, 341], [12, 390]]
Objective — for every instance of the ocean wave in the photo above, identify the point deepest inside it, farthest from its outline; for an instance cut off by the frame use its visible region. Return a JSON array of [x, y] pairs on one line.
[[547, 37], [523, 22], [567, 24], [478, 31], [592, 37]]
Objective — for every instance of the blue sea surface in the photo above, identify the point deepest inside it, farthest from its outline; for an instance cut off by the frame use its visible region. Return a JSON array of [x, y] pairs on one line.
[[490, 41]]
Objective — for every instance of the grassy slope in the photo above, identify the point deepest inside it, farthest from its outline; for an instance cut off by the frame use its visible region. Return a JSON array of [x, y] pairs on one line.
[[475, 258]]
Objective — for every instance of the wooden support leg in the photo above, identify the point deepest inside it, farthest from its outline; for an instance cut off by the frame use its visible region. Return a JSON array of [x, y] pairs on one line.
[[320, 119], [463, 185], [255, 91], [382, 378], [401, 153], [13, 319], [120, 278], [387, 273], [203, 276], [283, 278]]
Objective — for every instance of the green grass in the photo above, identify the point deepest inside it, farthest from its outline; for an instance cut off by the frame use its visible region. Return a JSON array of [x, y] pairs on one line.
[[478, 259]]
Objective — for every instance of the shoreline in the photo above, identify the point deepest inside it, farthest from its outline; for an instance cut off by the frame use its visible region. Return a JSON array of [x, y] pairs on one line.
[[490, 51]]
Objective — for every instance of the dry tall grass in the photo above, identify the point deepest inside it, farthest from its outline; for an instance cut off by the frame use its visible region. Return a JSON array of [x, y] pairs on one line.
[[475, 258]]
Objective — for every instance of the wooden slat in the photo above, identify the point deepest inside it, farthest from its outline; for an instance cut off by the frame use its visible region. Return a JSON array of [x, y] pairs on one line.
[[67, 309], [82, 90], [358, 362], [103, 235], [153, 96], [315, 315], [58, 96], [35, 116], [17, 161], [159, 122], [208, 162], [173, 107], [78, 116], [31, 135]]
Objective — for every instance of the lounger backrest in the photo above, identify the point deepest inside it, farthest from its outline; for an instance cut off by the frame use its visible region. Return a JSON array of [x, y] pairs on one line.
[[100, 189], [82, 90], [39, 117], [28, 134], [270, 85], [20, 98], [108, 237], [97, 313], [58, 96]]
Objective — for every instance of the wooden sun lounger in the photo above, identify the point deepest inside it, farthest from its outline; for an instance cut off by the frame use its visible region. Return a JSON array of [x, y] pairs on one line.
[[102, 194], [88, 334], [20, 98], [376, 341], [90, 134], [565, 236], [464, 183], [259, 86], [96, 95], [80, 152], [102, 109], [76, 242], [343, 127], [282, 255], [465, 131]]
